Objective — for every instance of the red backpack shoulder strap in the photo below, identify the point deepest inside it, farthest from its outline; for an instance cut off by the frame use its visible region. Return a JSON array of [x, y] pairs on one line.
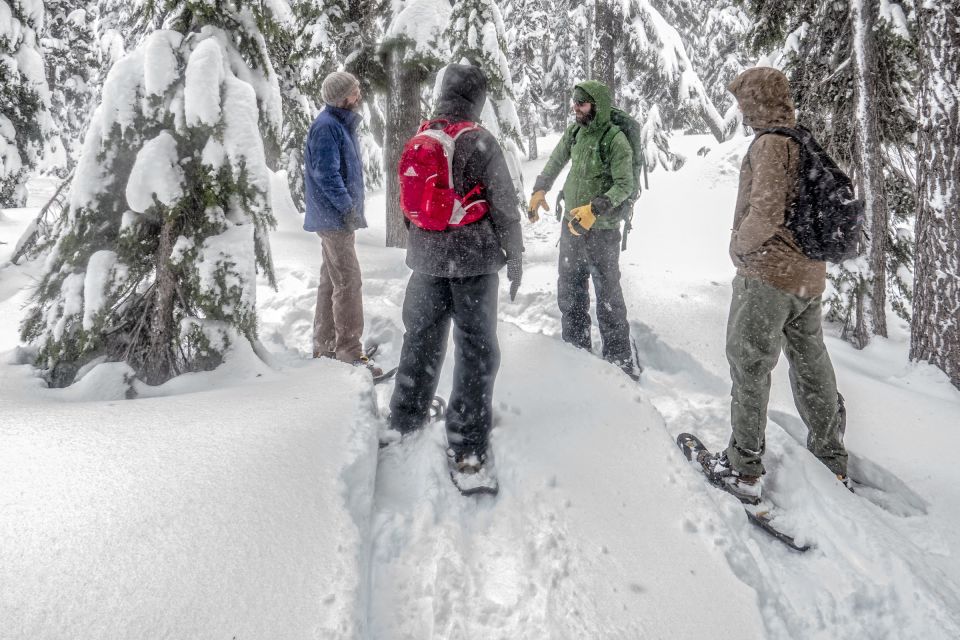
[[454, 130], [430, 124]]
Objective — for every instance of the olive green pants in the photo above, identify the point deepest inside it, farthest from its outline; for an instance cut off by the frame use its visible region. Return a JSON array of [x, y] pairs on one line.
[[763, 321]]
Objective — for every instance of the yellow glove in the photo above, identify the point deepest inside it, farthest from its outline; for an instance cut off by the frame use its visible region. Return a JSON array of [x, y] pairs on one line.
[[537, 201], [582, 219]]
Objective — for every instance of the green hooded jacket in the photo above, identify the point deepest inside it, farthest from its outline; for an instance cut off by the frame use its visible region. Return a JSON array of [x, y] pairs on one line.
[[589, 175]]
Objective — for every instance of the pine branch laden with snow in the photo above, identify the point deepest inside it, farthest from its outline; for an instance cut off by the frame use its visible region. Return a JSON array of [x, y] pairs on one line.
[[71, 57], [662, 70], [935, 330], [314, 39], [26, 127], [528, 25], [156, 262], [566, 60], [477, 36]]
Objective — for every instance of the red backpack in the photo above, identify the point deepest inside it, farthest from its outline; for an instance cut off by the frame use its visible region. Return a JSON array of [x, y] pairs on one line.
[[427, 196]]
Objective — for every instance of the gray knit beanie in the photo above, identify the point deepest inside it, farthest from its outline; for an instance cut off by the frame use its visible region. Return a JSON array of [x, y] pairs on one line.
[[337, 87]]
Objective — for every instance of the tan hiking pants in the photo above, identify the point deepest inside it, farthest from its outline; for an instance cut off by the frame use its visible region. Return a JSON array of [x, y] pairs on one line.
[[338, 323]]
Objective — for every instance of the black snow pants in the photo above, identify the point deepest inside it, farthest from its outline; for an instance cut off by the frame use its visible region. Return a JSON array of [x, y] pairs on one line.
[[596, 255], [429, 305]]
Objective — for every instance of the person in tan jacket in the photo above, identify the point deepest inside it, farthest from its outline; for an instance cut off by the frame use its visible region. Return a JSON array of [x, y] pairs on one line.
[[776, 301]]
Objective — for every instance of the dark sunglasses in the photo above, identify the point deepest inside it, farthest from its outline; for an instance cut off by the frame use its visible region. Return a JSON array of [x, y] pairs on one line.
[[580, 103]]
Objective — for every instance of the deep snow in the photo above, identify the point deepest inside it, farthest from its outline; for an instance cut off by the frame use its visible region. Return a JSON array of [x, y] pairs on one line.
[[248, 502]]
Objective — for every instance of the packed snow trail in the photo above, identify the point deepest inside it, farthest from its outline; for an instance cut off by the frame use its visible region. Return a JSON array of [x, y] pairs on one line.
[[549, 557], [875, 552]]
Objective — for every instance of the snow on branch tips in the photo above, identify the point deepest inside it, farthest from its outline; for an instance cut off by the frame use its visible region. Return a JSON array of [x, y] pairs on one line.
[[169, 216]]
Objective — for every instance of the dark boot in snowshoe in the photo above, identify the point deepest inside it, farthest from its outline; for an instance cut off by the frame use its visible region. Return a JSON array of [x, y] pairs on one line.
[[472, 474], [745, 487]]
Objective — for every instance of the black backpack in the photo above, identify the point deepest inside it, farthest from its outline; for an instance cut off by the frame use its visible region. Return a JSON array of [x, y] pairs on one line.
[[826, 218]]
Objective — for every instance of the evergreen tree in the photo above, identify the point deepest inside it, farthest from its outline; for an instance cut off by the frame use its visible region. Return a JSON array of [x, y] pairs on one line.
[[71, 58], [477, 36], [528, 28], [155, 263], [413, 49], [327, 35], [719, 54], [303, 57], [935, 330], [659, 70], [566, 61], [26, 127]]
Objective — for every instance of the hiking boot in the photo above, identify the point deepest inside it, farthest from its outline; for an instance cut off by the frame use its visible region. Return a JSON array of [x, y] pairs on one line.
[[324, 354], [630, 367], [364, 361], [466, 461], [745, 487]]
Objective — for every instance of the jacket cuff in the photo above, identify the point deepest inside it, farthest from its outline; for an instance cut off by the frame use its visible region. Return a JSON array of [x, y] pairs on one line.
[[542, 184], [601, 206]]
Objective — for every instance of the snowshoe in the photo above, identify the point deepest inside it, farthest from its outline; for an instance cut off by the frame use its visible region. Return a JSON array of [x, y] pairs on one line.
[[715, 468], [385, 375]]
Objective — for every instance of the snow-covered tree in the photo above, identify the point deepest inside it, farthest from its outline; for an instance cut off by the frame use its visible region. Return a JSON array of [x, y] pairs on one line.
[[658, 68], [935, 330], [477, 36], [72, 59], [719, 53], [155, 263], [567, 62], [525, 36], [119, 26], [413, 49], [327, 35], [26, 127]]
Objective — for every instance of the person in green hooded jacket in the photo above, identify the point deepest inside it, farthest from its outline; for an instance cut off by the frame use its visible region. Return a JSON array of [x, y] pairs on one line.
[[599, 184]]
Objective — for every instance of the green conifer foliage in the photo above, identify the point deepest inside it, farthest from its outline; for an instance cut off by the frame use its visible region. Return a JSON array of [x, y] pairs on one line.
[[156, 261], [25, 124], [477, 35], [71, 58]]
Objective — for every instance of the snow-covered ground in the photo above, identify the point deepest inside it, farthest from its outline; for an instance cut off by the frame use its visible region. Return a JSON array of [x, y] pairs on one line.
[[252, 501]]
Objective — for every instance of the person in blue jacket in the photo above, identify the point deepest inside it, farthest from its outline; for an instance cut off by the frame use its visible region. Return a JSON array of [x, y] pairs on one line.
[[333, 176]]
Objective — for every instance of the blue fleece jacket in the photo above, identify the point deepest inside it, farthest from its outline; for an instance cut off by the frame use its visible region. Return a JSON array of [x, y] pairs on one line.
[[333, 172]]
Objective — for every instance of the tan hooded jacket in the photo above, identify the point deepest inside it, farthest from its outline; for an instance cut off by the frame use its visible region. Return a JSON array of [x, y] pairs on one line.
[[761, 246]]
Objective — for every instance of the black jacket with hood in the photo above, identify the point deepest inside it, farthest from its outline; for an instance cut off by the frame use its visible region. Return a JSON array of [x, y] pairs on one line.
[[483, 246]]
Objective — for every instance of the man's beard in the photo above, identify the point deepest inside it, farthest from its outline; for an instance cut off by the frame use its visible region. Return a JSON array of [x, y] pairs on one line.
[[584, 119]]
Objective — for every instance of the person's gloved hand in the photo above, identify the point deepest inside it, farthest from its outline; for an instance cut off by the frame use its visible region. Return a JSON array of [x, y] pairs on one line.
[[352, 220], [582, 218], [537, 201], [514, 274]]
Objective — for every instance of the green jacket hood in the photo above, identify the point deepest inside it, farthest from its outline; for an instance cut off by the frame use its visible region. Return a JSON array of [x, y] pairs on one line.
[[602, 99]]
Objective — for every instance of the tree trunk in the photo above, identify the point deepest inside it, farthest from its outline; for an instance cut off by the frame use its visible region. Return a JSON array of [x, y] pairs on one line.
[[587, 44], [159, 363], [608, 24], [935, 326], [868, 164], [400, 124]]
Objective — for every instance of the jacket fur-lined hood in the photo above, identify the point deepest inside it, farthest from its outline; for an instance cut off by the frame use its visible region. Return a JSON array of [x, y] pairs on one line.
[[763, 94]]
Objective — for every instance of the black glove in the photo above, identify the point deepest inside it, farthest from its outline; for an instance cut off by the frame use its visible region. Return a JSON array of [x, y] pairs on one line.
[[352, 220], [514, 274], [601, 206]]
